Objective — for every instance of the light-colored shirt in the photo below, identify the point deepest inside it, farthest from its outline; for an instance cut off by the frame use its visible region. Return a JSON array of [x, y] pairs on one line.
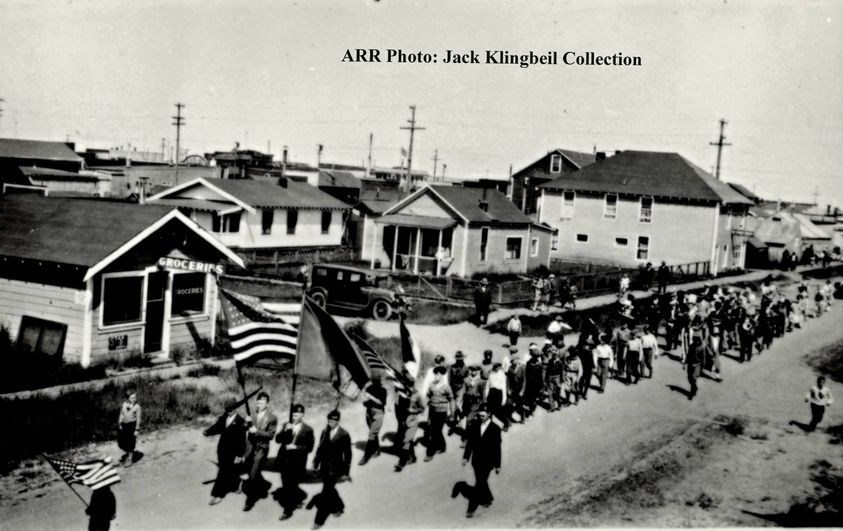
[[130, 413], [648, 340], [497, 380], [820, 397], [634, 344], [603, 352]]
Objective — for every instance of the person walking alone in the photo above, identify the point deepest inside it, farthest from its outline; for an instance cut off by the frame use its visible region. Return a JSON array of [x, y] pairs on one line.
[[482, 302], [513, 328], [820, 398], [483, 450]]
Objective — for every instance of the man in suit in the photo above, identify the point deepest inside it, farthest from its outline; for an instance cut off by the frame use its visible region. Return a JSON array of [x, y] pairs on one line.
[[482, 302], [484, 451], [333, 461], [231, 428], [296, 440], [261, 430]]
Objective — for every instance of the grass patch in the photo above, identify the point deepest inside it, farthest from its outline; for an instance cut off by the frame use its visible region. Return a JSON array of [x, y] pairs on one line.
[[733, 425], [439, 313]]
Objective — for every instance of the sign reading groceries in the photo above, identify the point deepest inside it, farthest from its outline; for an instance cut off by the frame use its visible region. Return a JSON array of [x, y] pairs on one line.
[[183, 264]]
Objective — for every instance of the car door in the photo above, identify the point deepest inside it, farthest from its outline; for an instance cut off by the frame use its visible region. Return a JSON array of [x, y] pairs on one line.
[[349, 293]]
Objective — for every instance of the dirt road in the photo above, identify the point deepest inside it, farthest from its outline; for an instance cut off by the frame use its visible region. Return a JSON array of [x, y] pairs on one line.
[[547, 462]]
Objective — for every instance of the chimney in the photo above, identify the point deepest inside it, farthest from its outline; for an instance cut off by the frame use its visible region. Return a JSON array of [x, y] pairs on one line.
[[282, 182], [600, 155], [618, 151]]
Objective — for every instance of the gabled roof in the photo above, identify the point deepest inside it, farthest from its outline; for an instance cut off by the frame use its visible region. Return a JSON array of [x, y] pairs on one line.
[[466, 203], [375, 206], [252, 194], [578, 157], [339, 178], [649, 173], [36, 149], [744, 191], [87, 233]]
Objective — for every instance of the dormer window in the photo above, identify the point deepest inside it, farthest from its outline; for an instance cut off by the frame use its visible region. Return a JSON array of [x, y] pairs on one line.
[[555, 163]]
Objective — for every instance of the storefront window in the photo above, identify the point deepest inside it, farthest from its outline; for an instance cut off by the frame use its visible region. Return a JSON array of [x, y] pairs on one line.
[[188, 293], [121, 300]]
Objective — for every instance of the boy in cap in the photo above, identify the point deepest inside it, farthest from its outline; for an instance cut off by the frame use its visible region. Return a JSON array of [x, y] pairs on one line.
[[513, 328], [261, 430], [407, 432], [333, 462], [457, 374], [473, 391], [440, 401], [295, 443]]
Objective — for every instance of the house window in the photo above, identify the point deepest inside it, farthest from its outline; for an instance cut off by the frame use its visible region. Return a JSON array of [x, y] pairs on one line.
[[266, 221], [736, 256], [568, 198], [231, 222], [554, 241], [555, 163], [292, 221], [513, 248], [645, 215], [484, 242], [643, 248], [121, 300], [188, 293], [39, 336], [621, 242], [582, 238], [610, 206], [534, 247], [216, 222], [326, 222]]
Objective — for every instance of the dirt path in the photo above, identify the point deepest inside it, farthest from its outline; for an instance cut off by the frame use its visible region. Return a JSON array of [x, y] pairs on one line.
[[545, 462]]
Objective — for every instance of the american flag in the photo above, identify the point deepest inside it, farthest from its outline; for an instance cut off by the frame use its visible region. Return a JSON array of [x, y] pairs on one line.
[[94, 474], [258, 329], [402, 383]]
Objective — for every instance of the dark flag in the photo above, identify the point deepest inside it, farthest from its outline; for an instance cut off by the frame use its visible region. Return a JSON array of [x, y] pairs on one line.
[[257, 331], [401, 381], [409, 350], [327, 353]]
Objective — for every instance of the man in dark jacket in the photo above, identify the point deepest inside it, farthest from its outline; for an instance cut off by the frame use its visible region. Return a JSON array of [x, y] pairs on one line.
[[663, 277], [260, 432], [533, 384], [296, 442], [333, 461], [231, 428], [484, 451], [482, 302]]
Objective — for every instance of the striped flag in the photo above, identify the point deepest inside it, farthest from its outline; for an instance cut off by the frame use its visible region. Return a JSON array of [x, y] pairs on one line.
[[401, 382], [260, 330], [94, 474], [409, 350]]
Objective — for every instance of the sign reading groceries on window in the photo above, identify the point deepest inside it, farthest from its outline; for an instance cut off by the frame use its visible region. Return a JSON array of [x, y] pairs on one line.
[[183, 264]]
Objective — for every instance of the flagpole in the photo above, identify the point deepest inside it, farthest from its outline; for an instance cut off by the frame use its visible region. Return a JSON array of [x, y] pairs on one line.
[[243, 388], [298, 351], [65, 481]]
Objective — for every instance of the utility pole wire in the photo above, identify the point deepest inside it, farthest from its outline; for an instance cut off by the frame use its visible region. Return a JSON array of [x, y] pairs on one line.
[[412, 128], [720, 145]]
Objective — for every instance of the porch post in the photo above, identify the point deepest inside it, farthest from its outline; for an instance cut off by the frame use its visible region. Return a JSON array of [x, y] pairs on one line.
[[439, 262], [374, 240], [395, 246], [418, 249]]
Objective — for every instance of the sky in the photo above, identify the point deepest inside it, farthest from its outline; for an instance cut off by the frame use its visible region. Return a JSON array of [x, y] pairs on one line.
[[269, 73]]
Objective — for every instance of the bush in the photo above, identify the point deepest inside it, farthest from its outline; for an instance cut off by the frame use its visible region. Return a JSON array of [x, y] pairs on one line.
[[735, 425], [21, 371]]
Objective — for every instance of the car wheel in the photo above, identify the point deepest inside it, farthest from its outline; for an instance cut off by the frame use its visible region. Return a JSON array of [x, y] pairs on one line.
[[381, 310], [319, 298]]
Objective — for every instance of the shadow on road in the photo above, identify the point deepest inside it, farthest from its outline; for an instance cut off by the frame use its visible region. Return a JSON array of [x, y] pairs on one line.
[[681, 390], [802, 426]]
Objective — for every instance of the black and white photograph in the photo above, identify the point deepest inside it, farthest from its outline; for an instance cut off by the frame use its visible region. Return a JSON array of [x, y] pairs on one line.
[[421, 264]]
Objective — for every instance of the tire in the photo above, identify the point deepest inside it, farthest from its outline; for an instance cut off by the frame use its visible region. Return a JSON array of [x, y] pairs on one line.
[[319, 298], [381, 310]]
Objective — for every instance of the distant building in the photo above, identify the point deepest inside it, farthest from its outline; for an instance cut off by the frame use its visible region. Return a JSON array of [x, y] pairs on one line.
[[449, 230], [418, 178], [524, 190], [86, 280], [249, 215], [639, 206]]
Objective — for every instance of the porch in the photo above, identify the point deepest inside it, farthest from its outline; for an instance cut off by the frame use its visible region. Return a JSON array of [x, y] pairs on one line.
[[416, 244]]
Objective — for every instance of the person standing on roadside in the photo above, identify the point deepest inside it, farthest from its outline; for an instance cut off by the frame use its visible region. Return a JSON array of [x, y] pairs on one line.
[[482, 302], [513, 328], [663, 277], [820, 398], [128, 426]]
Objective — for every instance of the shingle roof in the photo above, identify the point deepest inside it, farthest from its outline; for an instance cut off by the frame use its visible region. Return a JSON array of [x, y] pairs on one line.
[[55, 175], [649, 173], [36, 149], [744, 191], [579, 158], [268, 194], [343, 179], [375, 206], [70, 231], [467, 202]]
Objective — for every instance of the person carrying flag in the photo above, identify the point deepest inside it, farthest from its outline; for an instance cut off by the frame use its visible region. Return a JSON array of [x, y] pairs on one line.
[[296, 442], [101, 510], [99, 475], [231, 428], [413, 408], [375, 403], [261, 431]]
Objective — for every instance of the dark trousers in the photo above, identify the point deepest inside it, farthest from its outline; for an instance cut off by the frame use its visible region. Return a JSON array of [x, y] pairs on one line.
[[126, 439], [228, 478], [293, 495], [817, 413], [648, 361], [633, 362], [328, 501], [620, 360], [694, 370], [585, 381], [99, 524], [481, 314], [481, 494], [435, 438], [513, 338], [746, 348], [256, 487], [662, 286]]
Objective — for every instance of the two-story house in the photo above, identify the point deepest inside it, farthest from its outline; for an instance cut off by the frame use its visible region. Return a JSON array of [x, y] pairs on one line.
[[642, 206], [265, 215], [524, 190]]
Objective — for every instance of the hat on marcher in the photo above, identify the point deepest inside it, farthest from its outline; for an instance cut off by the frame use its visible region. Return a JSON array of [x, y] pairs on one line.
[[459, 355], [334, 415], [484, 281], [474, 368], [439, 359], [298, 408], [487, 353], [439, 370], [513, 349]]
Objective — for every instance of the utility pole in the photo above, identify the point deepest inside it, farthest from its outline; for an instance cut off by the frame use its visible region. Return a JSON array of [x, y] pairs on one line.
[[369, 160], [163, 149], [179, 122], [284, 162], [720, 145], [319, 156], [435, 161], [444, 167], [412, 128]]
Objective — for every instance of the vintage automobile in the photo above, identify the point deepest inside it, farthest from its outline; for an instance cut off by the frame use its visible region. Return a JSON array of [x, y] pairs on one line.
[[351, 288]]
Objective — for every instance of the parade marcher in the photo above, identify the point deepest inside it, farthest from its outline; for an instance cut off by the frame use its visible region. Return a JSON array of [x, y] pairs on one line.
[[440, 407], [573, 375], [296, 441], [261, 431], [633, 357], [820, 398], [694, 361], [555, 376], [333, 462], [513, 328], [587, 363], [128, 426], [714, 329], [663, 277], [483, 450], [496, 394], [603, 361], [533, 384], [515, 389], [407, 443], [102, 509], [486, 366], [438, 361], [231, 428], [375, 402], [473, 392], [649, 349], [556, 329], [482, 302], [672, 324], [621, 341], [566, 294], [457, 374]]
